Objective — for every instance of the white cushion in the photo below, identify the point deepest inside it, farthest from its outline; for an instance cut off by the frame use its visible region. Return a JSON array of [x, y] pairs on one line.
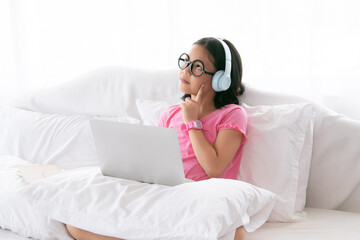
[[277, 153], [335, 157], [107, 91], [16, 214], [65, 140], [336, 166], [208, 209]]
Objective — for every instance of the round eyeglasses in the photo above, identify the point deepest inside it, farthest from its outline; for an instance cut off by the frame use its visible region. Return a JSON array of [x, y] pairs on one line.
[[196, 67]]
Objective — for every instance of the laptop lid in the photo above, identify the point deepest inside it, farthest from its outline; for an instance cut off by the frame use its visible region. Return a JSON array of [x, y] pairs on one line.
[[143, 153]]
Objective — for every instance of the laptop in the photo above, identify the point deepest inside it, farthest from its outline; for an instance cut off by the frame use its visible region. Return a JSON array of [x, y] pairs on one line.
[[142, 153]]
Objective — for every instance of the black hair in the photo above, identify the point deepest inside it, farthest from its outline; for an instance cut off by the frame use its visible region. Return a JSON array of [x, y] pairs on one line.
[[217, 52]]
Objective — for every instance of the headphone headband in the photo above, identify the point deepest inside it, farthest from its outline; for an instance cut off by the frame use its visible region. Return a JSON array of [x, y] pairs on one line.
[[222, 80], [227, 57]]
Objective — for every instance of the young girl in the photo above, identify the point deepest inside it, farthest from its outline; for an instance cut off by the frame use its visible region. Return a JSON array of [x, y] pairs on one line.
[[210, 123]]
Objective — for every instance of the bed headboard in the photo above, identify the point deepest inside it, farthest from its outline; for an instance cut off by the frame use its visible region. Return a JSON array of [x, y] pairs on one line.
[[109, 91], [334, 181]]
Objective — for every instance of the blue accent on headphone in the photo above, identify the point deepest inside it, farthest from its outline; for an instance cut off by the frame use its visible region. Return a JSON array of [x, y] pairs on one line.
[[221, 80]]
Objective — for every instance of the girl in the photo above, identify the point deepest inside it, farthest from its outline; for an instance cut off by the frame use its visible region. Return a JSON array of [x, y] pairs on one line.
[[210, 123]]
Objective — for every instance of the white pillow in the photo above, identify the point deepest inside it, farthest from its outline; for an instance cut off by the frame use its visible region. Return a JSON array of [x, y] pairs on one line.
[[65, 140], [279, 137], [277, 155], [16, 214], [151, 110], [128, 209]]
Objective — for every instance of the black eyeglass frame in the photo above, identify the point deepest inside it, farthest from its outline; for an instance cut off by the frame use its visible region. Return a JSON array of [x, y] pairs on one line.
[[191, 64]]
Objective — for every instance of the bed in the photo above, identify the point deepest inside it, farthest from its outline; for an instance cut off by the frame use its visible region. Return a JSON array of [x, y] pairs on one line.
[[299, 177]]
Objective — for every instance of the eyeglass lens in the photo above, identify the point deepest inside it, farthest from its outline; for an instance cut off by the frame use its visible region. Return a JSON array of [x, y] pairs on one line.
[[196, 67]]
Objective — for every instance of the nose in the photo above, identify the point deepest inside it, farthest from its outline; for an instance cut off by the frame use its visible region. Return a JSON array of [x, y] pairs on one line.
[[187, 70]]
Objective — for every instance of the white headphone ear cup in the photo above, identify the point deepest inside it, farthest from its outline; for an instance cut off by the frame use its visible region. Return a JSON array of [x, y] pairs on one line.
[[216, 81], [225, 83]]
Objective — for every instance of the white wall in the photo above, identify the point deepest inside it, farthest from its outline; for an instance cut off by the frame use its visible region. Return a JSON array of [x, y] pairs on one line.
[[308, 47], [8, 80]]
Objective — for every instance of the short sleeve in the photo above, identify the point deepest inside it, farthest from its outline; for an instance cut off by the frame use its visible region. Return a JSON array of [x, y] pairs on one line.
[[167, 115], [162, 119], [235, 118]]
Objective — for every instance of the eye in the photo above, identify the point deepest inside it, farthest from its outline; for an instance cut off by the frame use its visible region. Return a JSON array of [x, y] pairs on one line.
[[185, 58], [198, 67]]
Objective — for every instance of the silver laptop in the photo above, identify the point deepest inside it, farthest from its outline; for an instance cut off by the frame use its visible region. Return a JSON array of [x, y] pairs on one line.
[[136, 152]]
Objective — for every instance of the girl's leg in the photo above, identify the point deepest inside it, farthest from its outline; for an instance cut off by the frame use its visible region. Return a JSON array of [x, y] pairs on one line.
[[240, 233], [80, 234]]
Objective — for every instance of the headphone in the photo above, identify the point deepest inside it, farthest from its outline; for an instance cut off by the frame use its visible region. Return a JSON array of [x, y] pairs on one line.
[[221, 80]]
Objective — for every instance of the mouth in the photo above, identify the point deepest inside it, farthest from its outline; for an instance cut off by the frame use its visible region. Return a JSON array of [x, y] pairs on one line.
[[183, 80]]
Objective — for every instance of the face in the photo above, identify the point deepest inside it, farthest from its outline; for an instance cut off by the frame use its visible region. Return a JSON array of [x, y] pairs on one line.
[[190, 84]]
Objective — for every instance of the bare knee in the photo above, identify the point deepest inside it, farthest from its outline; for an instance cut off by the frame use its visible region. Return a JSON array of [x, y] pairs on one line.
[[239, 233], [80, 234], [74, 232]]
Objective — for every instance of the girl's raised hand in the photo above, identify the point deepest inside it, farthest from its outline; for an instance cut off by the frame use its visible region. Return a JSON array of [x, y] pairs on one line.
[[191, 107]]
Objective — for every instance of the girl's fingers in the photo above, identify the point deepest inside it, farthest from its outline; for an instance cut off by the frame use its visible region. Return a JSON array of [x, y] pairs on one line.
[[182, 105], [189, 100], [199, 94]]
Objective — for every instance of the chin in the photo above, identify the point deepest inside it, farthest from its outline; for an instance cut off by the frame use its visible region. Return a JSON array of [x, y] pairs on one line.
[[183, 89]]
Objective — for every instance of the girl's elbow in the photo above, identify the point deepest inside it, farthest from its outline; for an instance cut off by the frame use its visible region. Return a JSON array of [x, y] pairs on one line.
[[216, 168], [213, 173]]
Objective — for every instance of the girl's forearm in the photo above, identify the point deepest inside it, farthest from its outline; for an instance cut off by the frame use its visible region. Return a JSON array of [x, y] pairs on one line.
[[205, 153]]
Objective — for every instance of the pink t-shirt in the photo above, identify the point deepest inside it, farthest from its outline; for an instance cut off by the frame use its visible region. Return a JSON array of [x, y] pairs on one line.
[[228, 117]]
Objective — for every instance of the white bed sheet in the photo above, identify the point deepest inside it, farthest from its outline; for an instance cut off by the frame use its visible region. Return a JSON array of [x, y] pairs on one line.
[[6, 234], [321, 224]]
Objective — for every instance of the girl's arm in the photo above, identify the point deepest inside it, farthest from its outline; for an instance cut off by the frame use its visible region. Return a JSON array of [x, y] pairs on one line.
[[215, 159]]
